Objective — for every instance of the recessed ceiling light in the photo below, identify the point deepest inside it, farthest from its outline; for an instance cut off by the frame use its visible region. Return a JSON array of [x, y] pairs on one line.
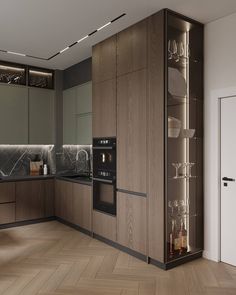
[[66, 48], [63, 50], [16, 53]]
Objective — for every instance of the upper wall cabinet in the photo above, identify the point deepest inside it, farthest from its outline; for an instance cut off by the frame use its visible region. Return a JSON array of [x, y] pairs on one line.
[[104, 60], [77, 114], [41, 116], [132, 48], [104, 109], [13, 114]]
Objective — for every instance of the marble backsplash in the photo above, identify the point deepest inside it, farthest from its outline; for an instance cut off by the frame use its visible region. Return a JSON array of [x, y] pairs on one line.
[[74, 159], [15, 159]]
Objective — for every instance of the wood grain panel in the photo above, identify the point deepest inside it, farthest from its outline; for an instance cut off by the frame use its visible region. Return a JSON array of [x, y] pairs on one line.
[[131, 222], [63, 200], [29, 200], [104, 60], [131, 132], [49, 197], [7, 192], [82, 205], [104, 225], [104, 109], [7, 213], [132, 48], [155, 127]]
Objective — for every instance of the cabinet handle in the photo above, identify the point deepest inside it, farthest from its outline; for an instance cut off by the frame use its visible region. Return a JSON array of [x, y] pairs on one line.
[[228, 179]]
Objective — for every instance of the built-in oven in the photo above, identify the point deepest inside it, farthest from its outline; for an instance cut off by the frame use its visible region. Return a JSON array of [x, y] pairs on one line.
[[104, 174]]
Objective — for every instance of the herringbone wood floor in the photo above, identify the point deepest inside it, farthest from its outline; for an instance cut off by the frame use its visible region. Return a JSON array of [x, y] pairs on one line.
[[53, 259]]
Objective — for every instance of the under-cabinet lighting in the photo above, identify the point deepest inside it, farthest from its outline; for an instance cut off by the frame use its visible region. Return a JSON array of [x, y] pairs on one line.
[[16, 53], [63, 50], [73, 44], [40, 73], [11, 68], [85, 37], [99, 29]]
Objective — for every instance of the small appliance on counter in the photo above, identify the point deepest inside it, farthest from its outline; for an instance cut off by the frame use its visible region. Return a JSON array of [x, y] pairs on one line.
[[104, 174]]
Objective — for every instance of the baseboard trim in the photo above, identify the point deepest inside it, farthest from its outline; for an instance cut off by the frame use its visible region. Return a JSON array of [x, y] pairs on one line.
[[120, 247], [26, 222], [74, 226]]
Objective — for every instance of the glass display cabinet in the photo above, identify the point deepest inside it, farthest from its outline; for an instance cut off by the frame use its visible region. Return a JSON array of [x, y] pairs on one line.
[[184, 137], [12, 73], [175, 141]]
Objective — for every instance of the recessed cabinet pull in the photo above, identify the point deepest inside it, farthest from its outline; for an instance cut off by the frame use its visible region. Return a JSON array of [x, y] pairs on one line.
[[228, 179]]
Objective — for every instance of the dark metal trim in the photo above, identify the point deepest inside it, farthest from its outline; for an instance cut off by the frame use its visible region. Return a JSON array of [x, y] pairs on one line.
[[120, 247], [131, 193], [26, 222]]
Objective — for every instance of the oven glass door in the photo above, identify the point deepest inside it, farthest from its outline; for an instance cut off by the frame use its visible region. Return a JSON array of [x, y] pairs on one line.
[[104, 196], [104, 159]]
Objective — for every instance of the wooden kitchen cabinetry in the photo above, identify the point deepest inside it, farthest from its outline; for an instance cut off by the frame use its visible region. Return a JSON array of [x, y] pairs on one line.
[[104, 60], [73, 203], [104, 225], [131, 132], [7, 202], [132, 48], [33, 199], [132, 222], [104, 109]]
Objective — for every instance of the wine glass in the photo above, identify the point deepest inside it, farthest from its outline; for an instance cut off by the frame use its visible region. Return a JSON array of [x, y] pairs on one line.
[[182, 207], [176, 205], [175, 51], [170, 205], [190, 165], [170, 52], [177, 166]]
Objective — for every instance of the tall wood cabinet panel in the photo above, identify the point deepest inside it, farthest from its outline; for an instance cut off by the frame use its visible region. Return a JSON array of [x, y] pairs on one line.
[[29, 200], [132, 48], [131, 222], [69, 119], [104, 60], [63, 200], [104, 225], [131, 131], [104, 109], [82, 206], [13, 114], [155, 136], [41, 116]]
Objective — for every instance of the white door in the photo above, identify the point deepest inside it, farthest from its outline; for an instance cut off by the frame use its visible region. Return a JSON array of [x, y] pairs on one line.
[[228, 176]]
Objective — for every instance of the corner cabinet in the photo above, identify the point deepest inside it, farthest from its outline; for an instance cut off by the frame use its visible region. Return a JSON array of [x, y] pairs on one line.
[[175, 139]]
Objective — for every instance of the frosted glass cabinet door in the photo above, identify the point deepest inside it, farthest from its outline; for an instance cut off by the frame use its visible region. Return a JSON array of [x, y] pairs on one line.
[[13, 115], [69, 122], [41, 116], [84, 98], [84, 129]]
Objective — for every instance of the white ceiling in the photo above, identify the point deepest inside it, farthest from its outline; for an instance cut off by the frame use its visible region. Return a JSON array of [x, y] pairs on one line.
[[44, 27]]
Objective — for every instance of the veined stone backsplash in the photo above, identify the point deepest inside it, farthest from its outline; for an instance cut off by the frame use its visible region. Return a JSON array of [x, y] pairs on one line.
[[66, 159], [15, 159]]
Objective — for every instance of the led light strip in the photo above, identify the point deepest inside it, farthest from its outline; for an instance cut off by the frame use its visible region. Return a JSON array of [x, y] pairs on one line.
[[68, 47]]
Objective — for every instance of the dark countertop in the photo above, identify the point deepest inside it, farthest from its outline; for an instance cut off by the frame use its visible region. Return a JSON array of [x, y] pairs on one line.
[[41, 177]]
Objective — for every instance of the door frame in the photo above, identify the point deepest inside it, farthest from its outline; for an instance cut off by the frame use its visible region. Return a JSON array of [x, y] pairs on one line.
[[212, 172]]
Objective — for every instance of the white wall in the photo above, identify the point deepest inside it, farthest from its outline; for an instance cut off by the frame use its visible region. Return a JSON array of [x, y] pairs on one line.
[[220, 81]]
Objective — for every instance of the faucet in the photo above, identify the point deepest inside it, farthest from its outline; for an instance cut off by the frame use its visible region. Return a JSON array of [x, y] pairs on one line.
[[86, 157]]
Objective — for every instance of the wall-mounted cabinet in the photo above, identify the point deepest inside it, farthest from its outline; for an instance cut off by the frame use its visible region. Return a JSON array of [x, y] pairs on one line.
[[13, 114], [41, 116], [26, 115], [77, 114]]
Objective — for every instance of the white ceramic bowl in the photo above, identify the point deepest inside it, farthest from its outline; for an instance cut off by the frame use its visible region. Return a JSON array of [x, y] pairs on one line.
[[187, 133], [173, 132]]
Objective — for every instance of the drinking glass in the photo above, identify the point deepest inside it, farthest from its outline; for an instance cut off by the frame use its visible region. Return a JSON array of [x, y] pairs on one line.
[[170, 205], [190, 165], [177, 166]]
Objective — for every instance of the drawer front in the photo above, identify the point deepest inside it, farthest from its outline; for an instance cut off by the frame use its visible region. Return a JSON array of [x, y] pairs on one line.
[[7, 192], [7, 213]]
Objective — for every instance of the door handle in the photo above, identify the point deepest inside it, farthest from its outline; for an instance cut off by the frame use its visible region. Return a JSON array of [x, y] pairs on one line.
[[228, 179]]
